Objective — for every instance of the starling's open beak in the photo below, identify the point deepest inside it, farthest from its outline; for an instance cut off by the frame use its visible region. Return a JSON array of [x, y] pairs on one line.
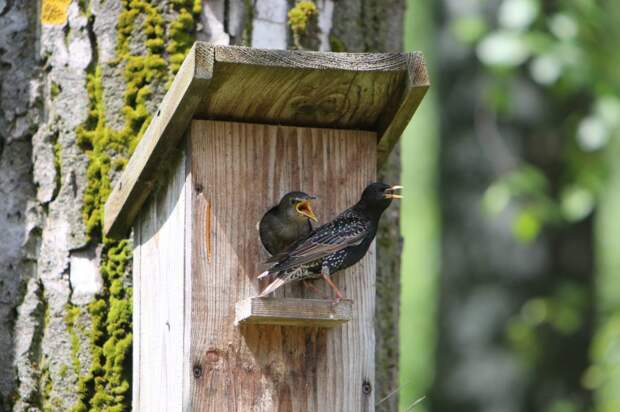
[[305, 209], [389, 193]]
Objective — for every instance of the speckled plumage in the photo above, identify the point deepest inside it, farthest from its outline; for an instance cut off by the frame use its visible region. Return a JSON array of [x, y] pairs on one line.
[[334, 246]]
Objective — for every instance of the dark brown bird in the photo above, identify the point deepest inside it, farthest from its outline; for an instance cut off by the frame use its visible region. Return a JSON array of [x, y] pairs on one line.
[[334, 246], [287, 222]]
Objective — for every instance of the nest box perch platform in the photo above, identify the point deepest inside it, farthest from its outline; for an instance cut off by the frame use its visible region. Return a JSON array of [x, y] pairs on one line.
[[237, 129], [292, 312]]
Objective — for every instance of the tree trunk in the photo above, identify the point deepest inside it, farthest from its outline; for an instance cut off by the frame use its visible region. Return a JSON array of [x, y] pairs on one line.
[[604, 376], [492, 354], [79, 81]]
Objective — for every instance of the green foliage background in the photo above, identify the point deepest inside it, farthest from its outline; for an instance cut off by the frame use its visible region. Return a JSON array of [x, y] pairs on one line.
[[533, 88]]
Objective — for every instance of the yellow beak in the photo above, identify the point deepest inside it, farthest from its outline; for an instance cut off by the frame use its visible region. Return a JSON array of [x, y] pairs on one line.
[[390, 195], [305, 209]]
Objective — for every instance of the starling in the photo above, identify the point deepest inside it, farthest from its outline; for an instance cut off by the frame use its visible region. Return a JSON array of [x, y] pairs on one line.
[[287, 222], [333, 246]]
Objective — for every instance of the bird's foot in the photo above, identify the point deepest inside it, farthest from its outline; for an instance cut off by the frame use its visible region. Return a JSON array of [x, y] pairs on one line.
[[338, 298], [339, 295]]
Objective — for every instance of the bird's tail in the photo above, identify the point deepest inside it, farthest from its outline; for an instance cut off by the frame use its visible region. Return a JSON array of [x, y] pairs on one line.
[[263, 275], [272, 287]]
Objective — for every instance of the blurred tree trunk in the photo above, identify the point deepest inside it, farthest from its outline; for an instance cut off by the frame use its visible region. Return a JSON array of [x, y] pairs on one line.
[[516, 308], [604, 375], [420, 226], [79, 81]]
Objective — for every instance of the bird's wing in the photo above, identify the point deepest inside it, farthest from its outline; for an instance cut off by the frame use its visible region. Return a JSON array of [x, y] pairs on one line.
[[346, 230]]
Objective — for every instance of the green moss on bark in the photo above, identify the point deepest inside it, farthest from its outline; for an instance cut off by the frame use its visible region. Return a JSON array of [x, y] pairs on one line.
[[337, 45], [248, 27], [54, 90], [72, 313], [106, 385], [303, 22], [181, 31]]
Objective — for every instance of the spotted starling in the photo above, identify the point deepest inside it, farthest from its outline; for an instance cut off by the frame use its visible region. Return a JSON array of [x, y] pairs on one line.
[[287, 222], [333, 246]]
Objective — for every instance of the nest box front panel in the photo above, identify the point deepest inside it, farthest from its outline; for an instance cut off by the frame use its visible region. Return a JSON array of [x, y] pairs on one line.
[[237, 171]]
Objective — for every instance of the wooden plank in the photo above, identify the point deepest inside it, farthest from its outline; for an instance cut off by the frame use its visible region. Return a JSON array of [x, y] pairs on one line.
[[312, 60], [136, 311], [338, 90], [187, 293], [362, 91], [161, 137], [160, 293], [293, 312], [393, 122], [237, 171]]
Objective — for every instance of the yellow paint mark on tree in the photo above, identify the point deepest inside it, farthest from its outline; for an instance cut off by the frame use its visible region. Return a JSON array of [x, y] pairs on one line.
[[54, 12]]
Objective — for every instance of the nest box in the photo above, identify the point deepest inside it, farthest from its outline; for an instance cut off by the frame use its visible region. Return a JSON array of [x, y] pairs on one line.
[[237, 129]]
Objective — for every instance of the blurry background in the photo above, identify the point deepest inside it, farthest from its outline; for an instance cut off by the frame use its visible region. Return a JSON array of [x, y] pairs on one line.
[[510, 298], [511, 260]]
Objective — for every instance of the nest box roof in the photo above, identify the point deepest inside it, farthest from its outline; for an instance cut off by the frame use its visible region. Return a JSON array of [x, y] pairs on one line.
[[366, 91]]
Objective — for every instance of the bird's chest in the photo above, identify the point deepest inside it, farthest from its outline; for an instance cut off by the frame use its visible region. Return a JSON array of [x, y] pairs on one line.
[[292, 232]]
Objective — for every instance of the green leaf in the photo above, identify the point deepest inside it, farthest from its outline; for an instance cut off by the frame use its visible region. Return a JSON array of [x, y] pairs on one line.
[[526, 226]]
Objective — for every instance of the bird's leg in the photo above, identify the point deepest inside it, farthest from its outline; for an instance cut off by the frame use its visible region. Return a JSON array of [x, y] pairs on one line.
[[309, 285], [325, 274]]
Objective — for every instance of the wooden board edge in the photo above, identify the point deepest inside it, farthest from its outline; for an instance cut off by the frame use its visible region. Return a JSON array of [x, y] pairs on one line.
[[312, 323], [243, 310], [162, 135], [246, 313], [417, 85], [136, 322], [312, 60], [187, 277]]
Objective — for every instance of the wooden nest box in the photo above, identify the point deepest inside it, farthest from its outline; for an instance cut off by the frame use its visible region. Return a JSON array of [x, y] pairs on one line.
[[239, 128]]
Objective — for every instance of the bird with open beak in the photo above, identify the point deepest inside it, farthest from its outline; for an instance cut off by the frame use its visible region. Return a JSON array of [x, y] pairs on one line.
[[333, 246], [287, 222]]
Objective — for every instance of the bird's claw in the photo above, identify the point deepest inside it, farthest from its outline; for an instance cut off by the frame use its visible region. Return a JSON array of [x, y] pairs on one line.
[[337, 299]]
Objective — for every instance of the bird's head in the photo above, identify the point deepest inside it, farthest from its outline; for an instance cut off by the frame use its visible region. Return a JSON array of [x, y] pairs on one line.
[[298, 205], [378, 196]]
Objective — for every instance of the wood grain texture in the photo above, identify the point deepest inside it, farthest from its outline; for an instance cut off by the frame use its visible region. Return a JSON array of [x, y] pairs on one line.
[[136, 311], [296, 59], [336, 90], [161, 137], [361, 91], [394, 120], [293, 312], [187, 292], [159, 297], [237, 172]]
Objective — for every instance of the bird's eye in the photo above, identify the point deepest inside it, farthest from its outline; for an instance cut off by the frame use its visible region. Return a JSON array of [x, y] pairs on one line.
[[293, 201]]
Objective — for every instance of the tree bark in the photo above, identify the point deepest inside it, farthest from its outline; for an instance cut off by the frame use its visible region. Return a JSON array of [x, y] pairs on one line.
[[20, 103], [78, 82]]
